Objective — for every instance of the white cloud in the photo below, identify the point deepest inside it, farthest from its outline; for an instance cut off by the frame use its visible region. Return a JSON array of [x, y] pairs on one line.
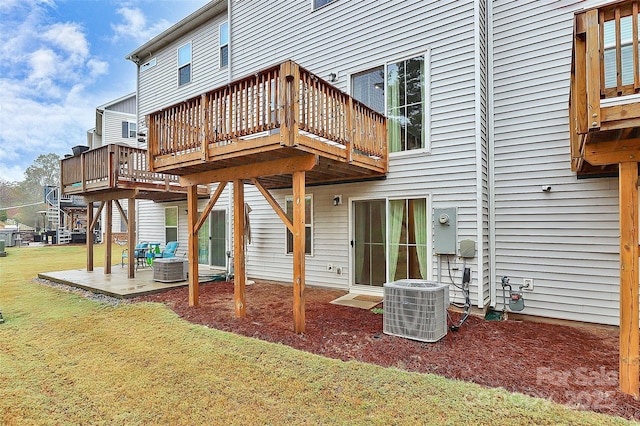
[[43, 64], [135, 26], [69, 37]]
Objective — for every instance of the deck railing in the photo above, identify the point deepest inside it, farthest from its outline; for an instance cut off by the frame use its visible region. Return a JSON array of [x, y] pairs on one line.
[[285, 98], [605, 65], [110, 166]]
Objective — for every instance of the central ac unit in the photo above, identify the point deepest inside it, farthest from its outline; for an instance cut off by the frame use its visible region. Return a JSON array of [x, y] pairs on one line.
[[416, 309]]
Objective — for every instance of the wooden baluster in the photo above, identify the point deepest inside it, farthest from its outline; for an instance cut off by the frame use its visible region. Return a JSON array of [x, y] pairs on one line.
[[618, 53]]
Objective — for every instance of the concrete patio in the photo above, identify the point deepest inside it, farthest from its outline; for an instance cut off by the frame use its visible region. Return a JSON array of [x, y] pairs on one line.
[[115, 284]]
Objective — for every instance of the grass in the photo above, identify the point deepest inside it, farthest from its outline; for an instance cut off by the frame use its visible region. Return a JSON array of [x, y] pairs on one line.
[[68, 360]]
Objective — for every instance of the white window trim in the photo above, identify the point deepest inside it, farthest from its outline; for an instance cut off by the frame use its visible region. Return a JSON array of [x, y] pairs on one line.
[[314, 8], [430, 271], [311, 253], [190, 63], [149, 64], [426, 124], [177, 222], [220, 46]]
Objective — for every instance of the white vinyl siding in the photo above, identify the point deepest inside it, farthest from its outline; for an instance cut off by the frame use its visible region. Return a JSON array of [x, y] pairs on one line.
[[447, 173], [112, 132], [566, 240], [157, 85]]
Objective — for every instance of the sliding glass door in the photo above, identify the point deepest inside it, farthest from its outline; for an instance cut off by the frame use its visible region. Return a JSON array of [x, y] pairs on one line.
[[389, 241]]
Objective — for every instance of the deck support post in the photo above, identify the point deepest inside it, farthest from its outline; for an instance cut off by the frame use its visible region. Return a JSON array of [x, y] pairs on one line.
[[298, 251], [239, 239], [89, 240], [131, 236], [192, 219], [629, 252], [107, 236]]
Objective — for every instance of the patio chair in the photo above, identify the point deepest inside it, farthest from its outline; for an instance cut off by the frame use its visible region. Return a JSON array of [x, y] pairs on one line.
[[139, 254], [169, 250]]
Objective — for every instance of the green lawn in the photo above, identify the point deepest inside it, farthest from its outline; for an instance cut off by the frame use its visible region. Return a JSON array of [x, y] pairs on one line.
[[68, 360]]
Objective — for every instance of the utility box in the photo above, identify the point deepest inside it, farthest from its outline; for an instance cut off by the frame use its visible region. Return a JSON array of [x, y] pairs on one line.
[[444, 230]]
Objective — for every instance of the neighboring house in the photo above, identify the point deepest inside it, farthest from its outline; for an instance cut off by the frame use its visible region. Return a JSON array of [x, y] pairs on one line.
[[477, 99], [116, 123]]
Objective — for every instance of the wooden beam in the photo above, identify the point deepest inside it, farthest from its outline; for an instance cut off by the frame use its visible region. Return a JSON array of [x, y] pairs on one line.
[[89, 240], [107, 236], [114, 195], [593, 69], [192, 210], [209, 206], [274, 204], [629, 332], [239, 272], [298, 251], [96, 217], [612, 152], [123, 215], [131, 236], [248, 171]]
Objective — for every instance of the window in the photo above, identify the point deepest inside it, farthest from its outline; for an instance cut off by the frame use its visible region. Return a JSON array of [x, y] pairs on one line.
[[320, 3], [407, 239], [128, 129], [170, 224], [148, 64], [224, 44], [406, 104], [123, 224], [368, 88], [308, 221], [184, 64]]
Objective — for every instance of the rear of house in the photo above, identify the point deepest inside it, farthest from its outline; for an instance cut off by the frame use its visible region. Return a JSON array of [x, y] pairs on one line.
[[476, 94]]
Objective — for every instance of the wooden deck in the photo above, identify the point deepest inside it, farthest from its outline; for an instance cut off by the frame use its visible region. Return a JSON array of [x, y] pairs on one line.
[[282, 127], [604, 99], [116, 172], [279, 113], [604, 119]]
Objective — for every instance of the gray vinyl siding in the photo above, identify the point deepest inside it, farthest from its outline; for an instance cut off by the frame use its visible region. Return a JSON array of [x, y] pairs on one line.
[[333, 41], [158, 85], [127, 106], [112, 132], [566, 240]]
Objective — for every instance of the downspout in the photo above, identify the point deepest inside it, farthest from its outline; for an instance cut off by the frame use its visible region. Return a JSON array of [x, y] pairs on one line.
[[230, 188], [479, 157], [491, 160], [229, 39]]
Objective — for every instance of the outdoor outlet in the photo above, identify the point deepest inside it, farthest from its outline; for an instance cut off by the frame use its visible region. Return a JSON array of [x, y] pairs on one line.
[[527, 284], [330, 267], [338, 270]]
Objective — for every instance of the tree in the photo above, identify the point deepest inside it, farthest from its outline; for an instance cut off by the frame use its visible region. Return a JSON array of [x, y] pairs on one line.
[[45, 170]]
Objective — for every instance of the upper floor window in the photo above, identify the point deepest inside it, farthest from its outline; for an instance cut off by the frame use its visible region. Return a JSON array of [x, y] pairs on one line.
[[368, 88], [399, 91], [224, 44], [320, 3], [150, 63], [405, 104], [184, 64], [128, 129]]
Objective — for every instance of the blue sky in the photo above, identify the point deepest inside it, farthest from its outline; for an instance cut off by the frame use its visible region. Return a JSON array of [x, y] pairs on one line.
[[59, 60]]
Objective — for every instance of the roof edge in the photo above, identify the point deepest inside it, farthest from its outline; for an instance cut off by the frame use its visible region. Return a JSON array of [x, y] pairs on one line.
[[173, 33]]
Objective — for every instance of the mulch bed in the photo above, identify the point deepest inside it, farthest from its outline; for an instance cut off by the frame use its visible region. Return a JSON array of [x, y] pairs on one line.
[[575, 366]]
